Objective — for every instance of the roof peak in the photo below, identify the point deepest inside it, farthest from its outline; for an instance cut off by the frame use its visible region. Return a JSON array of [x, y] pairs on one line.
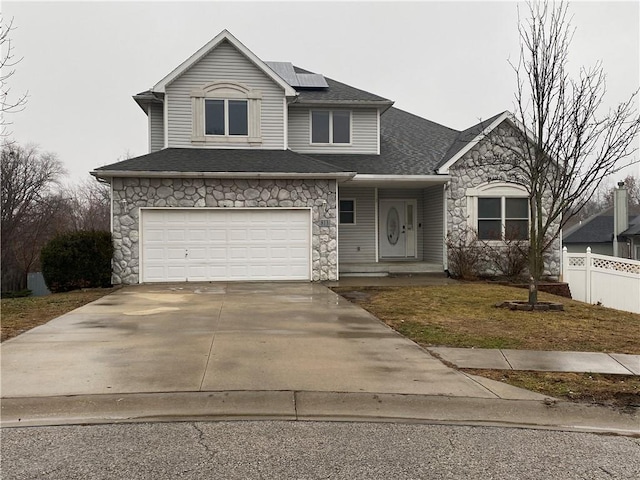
[[224, 35]]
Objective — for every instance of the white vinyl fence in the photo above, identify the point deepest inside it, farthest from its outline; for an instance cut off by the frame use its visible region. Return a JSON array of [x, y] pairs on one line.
[[611, 281]]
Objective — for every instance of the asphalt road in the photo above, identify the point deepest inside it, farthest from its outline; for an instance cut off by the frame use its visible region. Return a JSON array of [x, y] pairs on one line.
[[315, 450]]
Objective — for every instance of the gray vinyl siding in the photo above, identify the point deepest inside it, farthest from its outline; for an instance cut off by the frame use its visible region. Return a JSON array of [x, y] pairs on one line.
[[225, 63], [409, 194], [362, 234], [156, 128], [598, 248], [364, 132], [433, 224]]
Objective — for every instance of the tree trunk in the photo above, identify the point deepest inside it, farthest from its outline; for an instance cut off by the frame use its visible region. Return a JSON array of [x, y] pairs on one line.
[[533, 291]]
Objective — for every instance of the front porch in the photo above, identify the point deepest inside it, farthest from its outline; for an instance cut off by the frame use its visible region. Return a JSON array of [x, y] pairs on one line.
[[384, 231], [383, 269]]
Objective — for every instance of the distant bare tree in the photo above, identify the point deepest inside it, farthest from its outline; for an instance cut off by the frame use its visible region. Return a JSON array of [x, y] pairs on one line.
[[565, 146], [90, 205], [632, 184], [30, 206], [7, 70]]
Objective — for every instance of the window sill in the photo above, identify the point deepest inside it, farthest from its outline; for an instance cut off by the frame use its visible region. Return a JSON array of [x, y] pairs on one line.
[[226, 140], [498, 243], [330, 144]]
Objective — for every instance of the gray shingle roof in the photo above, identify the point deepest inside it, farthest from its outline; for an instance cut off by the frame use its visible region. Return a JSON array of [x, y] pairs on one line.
[[337, 92], [409, 145], [597, 229], [223, 160], [634, 227]]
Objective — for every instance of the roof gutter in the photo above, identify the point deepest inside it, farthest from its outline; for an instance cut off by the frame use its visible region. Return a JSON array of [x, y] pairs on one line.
[[340, 176], [384, 105], [360, 177]]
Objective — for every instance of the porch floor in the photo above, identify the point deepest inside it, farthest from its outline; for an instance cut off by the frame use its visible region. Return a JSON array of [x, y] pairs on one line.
[[382, 269]]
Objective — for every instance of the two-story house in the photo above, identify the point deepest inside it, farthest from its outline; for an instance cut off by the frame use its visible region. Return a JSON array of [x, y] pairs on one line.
[[265, 171]]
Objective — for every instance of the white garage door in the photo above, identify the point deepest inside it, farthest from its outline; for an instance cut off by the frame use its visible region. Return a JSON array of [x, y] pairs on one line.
[[201, 244]]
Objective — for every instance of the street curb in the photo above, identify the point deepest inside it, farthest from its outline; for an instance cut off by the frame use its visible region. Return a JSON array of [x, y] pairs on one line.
[[315, 406]]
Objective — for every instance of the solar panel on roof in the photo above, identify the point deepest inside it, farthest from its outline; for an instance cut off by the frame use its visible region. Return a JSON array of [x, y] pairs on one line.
[[285, 71], [306, 80], [311, 80]]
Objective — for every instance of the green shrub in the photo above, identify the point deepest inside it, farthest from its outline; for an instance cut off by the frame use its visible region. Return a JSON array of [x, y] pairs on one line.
[[77, 260]]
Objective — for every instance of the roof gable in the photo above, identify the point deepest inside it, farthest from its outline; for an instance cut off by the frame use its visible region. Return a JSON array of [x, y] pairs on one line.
[[469, 138], [223, 36]]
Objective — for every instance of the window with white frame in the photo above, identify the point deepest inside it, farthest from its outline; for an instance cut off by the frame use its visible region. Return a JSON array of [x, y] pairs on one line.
[[347, 211], [330, 126], [503, 218], [499, 211], [226, 112]]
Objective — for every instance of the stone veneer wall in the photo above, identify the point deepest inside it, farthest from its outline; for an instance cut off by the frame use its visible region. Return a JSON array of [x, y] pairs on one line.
[[320, 195], [477, 167]]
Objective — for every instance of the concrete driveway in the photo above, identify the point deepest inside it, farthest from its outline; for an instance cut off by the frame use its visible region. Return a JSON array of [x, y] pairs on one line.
[[292, 351], [223, 337]]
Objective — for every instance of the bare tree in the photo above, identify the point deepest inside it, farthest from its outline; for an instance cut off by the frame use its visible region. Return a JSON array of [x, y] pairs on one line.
[[632, 184], [90, 205], [7, 63], [566, 145], [30, 207]]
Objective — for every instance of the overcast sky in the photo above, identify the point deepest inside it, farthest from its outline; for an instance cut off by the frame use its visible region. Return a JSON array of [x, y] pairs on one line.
[[445, 61]]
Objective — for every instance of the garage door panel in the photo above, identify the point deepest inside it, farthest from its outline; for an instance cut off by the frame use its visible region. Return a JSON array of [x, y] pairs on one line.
[[155, 253], [173, 253], [198, 254], [298, 253], [197, 234], [175, 235], [230, 244], [154, 235], [217, 234]]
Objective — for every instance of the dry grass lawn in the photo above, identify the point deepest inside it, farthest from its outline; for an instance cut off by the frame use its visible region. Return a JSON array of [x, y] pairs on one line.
[[464, 315], [22, 314]]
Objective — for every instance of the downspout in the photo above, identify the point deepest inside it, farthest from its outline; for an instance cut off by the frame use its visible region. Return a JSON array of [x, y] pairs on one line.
[[445, 253]]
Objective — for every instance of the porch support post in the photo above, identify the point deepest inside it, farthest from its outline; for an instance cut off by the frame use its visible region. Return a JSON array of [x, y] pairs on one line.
[[445, 253], [375, 205]]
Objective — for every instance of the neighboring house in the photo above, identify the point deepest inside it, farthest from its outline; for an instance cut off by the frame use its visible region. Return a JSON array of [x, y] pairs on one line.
[[614, 231], [631, 236], [596, 232], [265, 171]]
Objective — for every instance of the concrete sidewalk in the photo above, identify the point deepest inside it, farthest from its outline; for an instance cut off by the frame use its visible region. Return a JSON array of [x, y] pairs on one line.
[[542, 361]]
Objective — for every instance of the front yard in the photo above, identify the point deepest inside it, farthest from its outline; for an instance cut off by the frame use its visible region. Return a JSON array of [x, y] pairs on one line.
[[464, 315], [22, 314]]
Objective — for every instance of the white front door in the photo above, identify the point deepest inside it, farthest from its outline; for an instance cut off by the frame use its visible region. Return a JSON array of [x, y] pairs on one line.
[[397, 229]]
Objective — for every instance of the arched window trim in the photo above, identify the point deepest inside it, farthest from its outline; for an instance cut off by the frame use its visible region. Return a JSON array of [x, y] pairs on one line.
[[226, 90], [497, 189]]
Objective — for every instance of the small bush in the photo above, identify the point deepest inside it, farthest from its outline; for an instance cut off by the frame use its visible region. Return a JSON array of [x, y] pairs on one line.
[[510, 259], [466, 255], [77, 260]]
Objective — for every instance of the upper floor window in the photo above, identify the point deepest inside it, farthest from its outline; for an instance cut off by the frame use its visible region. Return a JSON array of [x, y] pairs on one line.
[[226, 117], [226, 112], [331, 126], [503, 218]]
